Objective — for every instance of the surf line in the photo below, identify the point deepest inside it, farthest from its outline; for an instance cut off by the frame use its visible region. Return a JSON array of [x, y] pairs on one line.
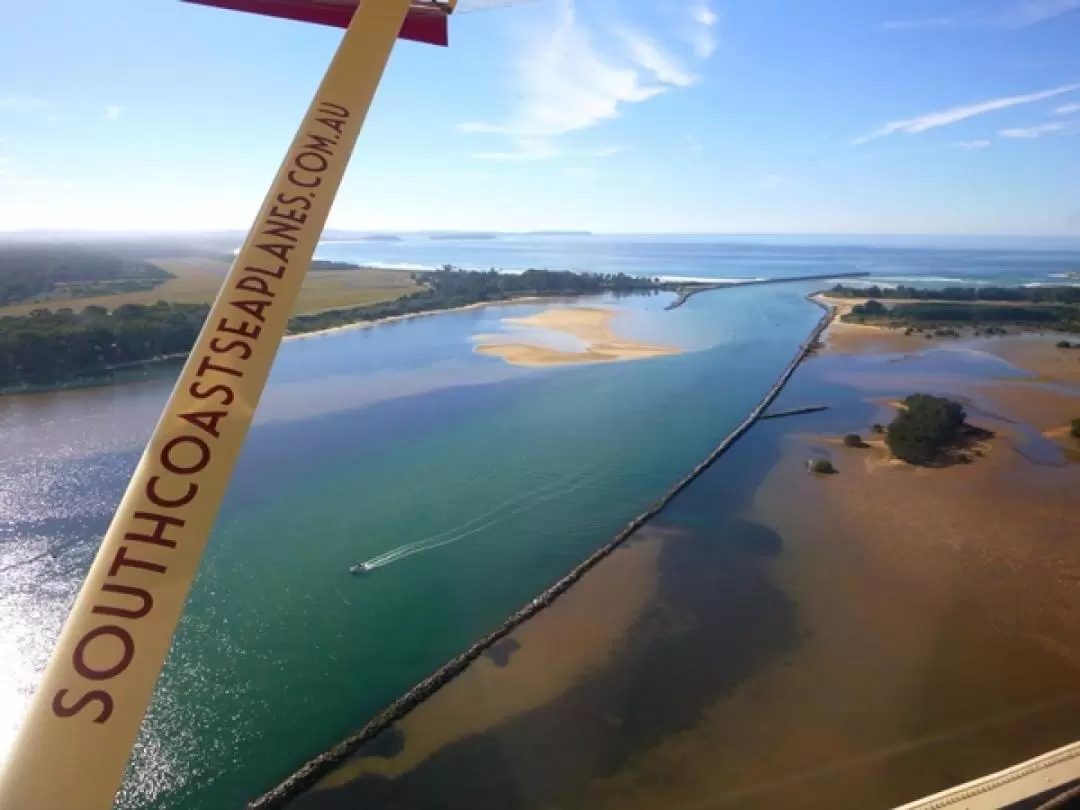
[[313, 770]]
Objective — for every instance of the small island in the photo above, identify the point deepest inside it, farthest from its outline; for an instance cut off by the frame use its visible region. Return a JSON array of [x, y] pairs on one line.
[[927, 431], [931, 431]]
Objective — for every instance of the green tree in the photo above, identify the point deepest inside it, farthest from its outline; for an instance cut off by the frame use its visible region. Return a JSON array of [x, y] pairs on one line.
[[924, 427]]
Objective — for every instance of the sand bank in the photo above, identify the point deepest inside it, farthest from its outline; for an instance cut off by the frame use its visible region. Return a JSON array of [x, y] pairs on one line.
[[1040, 355], [939, 642], [590, 325]]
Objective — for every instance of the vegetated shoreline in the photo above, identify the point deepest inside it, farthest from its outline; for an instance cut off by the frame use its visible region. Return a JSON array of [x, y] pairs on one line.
[[166, 359], [443, 291], [316, 768]]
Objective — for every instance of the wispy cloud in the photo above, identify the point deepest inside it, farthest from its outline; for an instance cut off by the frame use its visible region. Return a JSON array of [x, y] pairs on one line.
[[112, 112], [647, 55], [1032, 132], [700, 32], [941, 118], [692, 143], [1014, 15], [979, 144], [1067, 109], [568, 83]]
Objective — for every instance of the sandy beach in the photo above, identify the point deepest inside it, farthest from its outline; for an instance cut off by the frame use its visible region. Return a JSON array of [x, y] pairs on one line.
[[590, 325]]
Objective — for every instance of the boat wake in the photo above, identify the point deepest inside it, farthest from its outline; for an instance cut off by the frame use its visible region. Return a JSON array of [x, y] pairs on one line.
[[496, 514]]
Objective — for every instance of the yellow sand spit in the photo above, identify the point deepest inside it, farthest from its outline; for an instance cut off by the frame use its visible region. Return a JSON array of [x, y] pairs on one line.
[[588, 324]]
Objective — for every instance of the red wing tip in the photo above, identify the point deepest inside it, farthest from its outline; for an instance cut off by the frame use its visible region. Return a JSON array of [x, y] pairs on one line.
[[420, 26]]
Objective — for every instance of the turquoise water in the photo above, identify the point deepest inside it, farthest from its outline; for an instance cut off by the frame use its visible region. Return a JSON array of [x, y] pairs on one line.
[[472, 484], [469, 483]]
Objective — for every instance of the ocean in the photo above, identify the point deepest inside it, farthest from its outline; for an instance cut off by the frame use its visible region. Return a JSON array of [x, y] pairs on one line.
[[891, 259], [468, 484]]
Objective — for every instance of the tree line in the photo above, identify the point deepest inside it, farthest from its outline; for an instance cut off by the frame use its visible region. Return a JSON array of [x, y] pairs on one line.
[[1058, 317], [1036, 295], [30, 271], [449, 288], [46, 346]]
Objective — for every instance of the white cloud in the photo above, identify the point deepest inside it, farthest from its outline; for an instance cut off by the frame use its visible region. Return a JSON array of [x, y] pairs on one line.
[[1067, 109], [112, 112], [568, 83], [647, 55], [700, 33], [1032, 132], [979, 144], [932, 120], [692, 143], [771, 181]]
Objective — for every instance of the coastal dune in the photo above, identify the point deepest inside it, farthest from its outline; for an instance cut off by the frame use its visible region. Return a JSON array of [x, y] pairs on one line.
[[590, 325]]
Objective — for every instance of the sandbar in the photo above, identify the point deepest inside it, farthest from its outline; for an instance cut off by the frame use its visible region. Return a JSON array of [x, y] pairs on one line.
[[591, 325]]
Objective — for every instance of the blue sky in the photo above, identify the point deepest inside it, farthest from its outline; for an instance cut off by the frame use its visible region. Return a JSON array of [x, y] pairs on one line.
[[836, 116]]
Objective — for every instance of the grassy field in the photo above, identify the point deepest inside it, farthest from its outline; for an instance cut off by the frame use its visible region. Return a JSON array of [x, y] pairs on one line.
[[198, 279]]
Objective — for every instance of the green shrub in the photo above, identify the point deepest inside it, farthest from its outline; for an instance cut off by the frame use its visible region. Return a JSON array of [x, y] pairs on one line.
[[1076, 428], [924, 428], [854, 440]]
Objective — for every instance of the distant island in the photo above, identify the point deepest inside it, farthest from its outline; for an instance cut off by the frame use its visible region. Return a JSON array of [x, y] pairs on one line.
[[381, 237], [47, 347]]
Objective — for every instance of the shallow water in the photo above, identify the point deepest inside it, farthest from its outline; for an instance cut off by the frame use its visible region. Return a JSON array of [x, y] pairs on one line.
[[775, 664], [473, 483]]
